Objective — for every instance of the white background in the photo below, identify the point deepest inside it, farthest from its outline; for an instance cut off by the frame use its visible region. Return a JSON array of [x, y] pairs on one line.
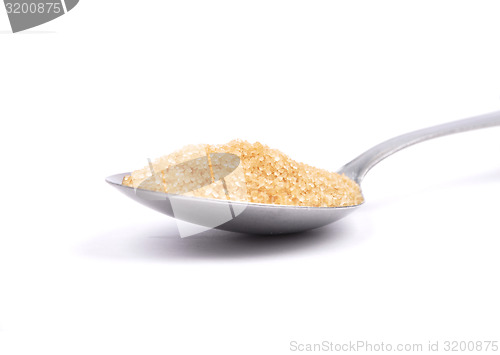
[[96, 92]]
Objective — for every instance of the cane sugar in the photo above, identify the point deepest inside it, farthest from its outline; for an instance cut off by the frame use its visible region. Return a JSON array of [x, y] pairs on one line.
[[262, 175]]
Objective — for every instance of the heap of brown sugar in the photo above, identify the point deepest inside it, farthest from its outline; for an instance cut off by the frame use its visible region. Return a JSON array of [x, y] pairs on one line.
[[263, 175]]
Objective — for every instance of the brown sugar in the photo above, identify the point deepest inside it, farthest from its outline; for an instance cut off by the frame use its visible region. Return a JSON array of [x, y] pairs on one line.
[[258, 175]]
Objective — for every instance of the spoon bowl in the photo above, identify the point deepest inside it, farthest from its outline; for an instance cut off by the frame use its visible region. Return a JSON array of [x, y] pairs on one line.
[[254, 218]]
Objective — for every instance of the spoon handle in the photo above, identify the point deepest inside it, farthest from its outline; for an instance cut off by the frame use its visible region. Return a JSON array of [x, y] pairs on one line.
[[357, 169]]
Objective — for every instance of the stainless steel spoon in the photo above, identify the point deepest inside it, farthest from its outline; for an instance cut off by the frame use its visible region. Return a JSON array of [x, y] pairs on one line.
[[257, 218]]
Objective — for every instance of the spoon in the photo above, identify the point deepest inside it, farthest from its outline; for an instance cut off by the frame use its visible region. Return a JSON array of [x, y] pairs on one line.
[[255, 218]]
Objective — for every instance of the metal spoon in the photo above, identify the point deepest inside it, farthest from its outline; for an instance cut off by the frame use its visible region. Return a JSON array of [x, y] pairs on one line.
[[257, 218]]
